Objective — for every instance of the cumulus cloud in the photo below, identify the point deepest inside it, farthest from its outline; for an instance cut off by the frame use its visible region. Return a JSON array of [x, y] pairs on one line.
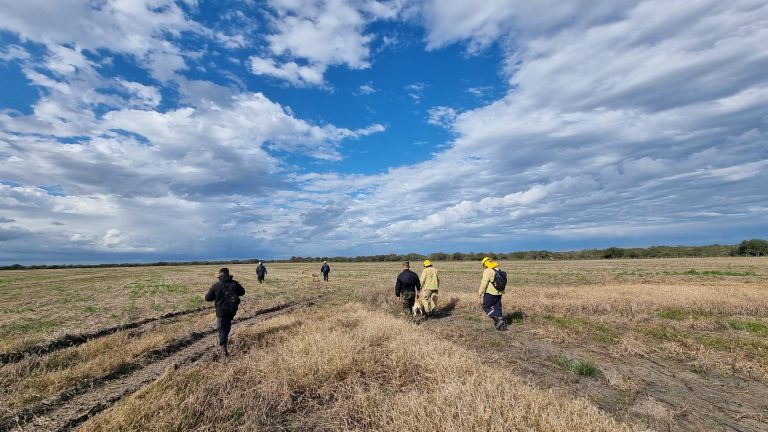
[[136, 28], [442, 116], [618, 122], [321, 34]]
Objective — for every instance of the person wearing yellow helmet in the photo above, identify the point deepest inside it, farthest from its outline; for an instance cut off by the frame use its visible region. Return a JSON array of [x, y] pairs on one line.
[[430, 283], [490, 295]]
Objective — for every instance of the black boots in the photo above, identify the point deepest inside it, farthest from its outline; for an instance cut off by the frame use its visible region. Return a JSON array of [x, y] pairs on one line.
[[499, 323]]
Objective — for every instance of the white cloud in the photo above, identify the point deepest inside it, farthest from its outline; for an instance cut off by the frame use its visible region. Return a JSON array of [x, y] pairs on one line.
[[442, 116], [366, 89], [288, 71], [134, 27], [321, 33]]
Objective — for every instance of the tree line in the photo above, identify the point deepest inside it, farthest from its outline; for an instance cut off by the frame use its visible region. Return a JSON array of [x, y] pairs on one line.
[[754, 247]]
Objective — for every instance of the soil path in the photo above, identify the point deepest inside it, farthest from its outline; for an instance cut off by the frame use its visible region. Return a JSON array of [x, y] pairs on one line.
[[664, 395], [69, 409]]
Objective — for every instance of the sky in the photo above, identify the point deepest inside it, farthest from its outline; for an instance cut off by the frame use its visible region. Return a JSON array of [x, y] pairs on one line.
[[162, 130]]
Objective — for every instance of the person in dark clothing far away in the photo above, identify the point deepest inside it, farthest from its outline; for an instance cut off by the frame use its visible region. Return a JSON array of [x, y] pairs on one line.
[[226, 296], [325, 269], [261, 272], [407, 287]]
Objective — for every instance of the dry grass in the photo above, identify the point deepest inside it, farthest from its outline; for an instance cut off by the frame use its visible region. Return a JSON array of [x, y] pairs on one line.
[[41, 305], [347, 369], [340, 369]]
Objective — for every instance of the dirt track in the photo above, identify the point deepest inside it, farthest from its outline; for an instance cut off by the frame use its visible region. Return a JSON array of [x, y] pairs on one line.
[[70, 408], [669, 397]]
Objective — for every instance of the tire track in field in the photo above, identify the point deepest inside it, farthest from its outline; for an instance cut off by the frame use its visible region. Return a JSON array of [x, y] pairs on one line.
[[67, 341], [72, 407]]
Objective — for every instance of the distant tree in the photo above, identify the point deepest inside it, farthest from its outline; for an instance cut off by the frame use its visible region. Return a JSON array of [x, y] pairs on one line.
[[754, 247]]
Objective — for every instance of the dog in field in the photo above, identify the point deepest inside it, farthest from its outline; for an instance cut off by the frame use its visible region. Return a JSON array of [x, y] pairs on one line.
[[314, 277], [418, 311]]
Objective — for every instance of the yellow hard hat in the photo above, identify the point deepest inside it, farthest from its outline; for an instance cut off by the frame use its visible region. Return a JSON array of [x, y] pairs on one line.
[[427, 263], [488, 262]]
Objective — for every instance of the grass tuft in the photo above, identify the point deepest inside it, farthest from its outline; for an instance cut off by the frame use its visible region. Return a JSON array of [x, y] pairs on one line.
[[579, 367]]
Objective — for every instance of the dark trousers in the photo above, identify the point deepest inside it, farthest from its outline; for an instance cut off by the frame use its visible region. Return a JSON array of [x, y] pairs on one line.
[[409, 298], [325, 277], [225, 325], [492, 305], [261, 279]]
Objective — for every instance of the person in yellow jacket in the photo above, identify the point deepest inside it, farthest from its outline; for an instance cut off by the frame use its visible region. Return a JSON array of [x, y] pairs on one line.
[[430, 283], [491, 297]]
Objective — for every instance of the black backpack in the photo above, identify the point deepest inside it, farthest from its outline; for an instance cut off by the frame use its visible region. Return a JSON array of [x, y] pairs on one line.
[[499, 280], [231, 300]]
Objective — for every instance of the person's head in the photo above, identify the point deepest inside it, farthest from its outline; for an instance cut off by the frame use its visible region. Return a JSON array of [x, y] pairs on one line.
[[406, 265], [325, 262], [259, 262], [427, 263], [488, 262], [223, 272]]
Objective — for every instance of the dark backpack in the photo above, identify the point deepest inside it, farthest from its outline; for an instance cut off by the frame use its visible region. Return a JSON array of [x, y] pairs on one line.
[[500, 280], [231, 300]]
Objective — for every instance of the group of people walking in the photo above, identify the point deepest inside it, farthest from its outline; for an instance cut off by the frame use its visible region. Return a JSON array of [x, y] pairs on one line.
[[418, 294]]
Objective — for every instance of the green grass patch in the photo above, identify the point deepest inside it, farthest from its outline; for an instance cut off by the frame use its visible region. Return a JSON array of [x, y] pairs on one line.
[[579, 367], [731, 345], [90, 309], [44, 326], [756, 327]]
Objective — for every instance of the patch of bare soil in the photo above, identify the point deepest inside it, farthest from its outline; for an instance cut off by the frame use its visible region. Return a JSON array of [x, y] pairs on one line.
[[71, 408], [651, 393]]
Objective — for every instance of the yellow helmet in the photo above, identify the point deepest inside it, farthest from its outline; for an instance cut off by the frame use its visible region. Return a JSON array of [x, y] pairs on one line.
[[427, 263], [488, 262]]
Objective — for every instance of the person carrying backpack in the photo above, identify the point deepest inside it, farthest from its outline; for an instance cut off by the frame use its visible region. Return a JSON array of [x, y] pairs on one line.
[[261, 272], [492, 287], [226, 296]]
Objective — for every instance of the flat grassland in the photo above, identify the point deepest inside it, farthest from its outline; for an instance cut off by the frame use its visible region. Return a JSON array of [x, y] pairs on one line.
[[673, 344]]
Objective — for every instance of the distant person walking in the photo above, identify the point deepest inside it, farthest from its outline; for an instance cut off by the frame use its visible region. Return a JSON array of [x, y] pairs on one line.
[[325, 269], [430, 283], [261, 272], [407, 287], [490, 294], [226, 296]]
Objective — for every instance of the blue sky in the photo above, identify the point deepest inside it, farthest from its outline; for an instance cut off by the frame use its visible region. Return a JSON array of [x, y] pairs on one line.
[[148, 130]]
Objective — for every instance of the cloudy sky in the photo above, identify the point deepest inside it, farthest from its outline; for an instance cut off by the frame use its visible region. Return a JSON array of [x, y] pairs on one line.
[[147, 130]]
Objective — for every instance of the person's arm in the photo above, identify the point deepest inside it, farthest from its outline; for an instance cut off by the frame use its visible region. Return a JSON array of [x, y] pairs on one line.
[[211, 294], [398, 286], [418, 283], [423, 278], [484, 283]]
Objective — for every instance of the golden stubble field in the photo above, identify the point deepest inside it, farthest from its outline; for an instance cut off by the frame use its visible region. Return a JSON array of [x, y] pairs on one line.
[[677, 344]]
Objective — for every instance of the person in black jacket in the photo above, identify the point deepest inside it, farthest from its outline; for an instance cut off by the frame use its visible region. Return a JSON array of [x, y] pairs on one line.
[[325, 269], [226, 296], [261, 272], [406, 288]]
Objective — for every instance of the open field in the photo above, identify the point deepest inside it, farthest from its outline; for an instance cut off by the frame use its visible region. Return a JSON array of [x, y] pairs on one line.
[[592, 345]]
